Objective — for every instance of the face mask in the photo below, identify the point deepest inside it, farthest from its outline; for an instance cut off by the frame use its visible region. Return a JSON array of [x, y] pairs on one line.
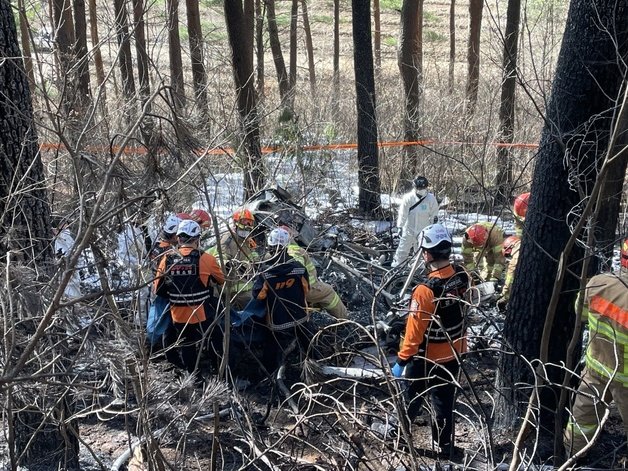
[[421, 193], [243, 233]]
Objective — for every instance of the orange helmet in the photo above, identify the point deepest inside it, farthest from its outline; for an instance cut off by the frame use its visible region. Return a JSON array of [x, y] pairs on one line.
[[624, 254], [521, 205], [202, 217], [509, 245], [477, 234], [243, 219]]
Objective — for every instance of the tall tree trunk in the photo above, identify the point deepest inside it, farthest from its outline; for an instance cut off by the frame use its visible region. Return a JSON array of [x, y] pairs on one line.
[[143, 67], [473, 54], [336, 80], [42, 436], [294, 21], [368, 162], [452, 45], [259, 47], [174, 54], [26, 47], [98, 63], [574, 139], [125, 60], [197, 57], [309, 46], [64, 42], [410, 61], [275, 47], [507, 103], [239, 18], [377, 33], [82, 59]]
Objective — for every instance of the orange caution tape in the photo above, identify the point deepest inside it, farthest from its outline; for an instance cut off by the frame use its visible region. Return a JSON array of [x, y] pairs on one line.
[[269, 150]]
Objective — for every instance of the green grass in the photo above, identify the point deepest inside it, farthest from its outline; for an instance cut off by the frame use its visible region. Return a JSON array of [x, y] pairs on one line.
[[283, 19], [390, 4], [183, 33], [433, 37], [216, 35], [390, 41], [211, 3], [429, 17], [326, 19]]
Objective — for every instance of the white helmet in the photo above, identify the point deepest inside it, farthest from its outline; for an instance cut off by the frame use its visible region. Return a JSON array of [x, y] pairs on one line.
[[434, 235], [189, 229], [171, 224], [278, 236]]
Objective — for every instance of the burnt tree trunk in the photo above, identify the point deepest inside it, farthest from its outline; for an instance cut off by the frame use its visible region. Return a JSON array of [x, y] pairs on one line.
[[473, 54], [574, 139], [309, 45], [64, 48], [174, 54], [507, 103], [199, 76], [125, 60], [141, 53], [26, 46], [336, 79], [259, 47], [98, 63], [41, 436], [239, 17], [410, 61], [377, 33], [368, 164], [294, 21]]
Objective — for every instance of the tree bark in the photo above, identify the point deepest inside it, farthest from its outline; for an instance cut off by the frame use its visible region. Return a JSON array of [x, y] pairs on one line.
[[64, 42], [473, 54], [410, 61], [259, 48], [275, 47], [82, 59], [42, 436], [98, 63], [197, 57], [368, 165], [452, 45], [294, 19], [26, 46], [125, 60], [309, 46], [507, 104], [578, 118], [336, 79], [141, 53], [239, 17], [174, 54], [377, 33]]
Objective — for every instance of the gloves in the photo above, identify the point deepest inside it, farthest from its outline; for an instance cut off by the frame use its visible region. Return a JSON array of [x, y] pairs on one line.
[[397, 370], [502, 303]]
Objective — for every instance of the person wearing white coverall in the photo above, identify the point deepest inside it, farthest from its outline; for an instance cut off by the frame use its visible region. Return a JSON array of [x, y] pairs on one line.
[[417, 210], [64, 241]]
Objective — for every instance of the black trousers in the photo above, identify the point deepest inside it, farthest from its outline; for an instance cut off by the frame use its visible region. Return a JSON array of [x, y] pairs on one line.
[[182, 345], [435, 381], [278, 341]]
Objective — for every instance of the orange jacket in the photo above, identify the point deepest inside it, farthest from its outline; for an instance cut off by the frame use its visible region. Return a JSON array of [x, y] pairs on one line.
[[422, 308], [208, 267]]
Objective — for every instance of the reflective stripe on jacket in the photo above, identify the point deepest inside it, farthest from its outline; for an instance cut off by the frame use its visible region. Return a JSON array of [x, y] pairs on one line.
[[241, 254], [300, 255], [607, 303]]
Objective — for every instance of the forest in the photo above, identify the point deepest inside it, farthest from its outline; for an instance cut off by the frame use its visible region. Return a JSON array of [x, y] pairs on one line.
[[140, 138]]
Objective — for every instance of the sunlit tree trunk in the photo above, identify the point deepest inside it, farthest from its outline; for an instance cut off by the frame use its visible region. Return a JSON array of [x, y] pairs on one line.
[[473, 54]]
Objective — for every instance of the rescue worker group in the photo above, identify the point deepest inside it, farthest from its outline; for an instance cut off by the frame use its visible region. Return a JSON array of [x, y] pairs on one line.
[[274, 291]]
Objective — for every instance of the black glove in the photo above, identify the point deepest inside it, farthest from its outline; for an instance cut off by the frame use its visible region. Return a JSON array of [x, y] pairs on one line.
[[502, 304]]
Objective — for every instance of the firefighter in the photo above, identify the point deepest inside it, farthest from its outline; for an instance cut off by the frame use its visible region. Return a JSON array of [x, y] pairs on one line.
[[202, 217], [186, 278], [435, 337], [512, 246], [167, 241], [239, 251], [418, 208], [321, 295], [605, 376], [283, 287], [482, 248]]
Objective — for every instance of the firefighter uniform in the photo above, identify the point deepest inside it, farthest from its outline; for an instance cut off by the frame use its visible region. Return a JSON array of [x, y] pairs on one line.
[[605, 377], [434, 335], [239, 256], [510, 271], [489, 257], [159, 248], [320, 295], [186, 279], [284, 288]]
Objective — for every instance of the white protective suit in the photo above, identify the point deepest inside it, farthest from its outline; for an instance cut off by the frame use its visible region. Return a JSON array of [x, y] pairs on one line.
[[412, 221]]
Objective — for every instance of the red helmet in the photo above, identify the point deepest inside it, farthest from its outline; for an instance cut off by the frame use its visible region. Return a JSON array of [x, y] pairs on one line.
[[202, 217], [521, 205], [243, 219], [624, 254], [509, 245], [184, 216], [477, 234]]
